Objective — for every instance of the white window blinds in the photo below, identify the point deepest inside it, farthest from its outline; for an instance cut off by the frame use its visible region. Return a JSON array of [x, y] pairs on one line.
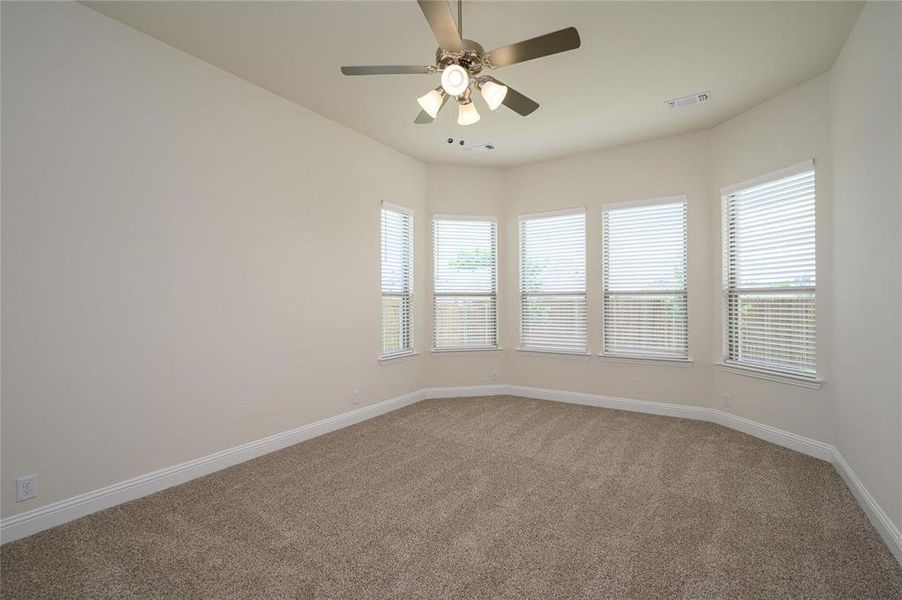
[[397, 280], [464, 283], [644, 279], [769, 272], [553, 282]]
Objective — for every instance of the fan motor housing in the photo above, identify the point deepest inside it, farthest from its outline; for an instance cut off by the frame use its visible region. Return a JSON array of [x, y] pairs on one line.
[[470, 58]]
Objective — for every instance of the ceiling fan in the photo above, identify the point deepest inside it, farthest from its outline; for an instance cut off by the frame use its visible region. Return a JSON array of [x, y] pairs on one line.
[[461, 61]]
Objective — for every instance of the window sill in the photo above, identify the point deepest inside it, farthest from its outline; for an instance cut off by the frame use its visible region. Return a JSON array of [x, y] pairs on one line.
[[457, 351], [647, 360], [812, 383], [555, 353], [396, 358]]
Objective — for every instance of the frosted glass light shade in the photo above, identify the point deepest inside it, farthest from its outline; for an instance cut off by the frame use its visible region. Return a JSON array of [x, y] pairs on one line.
[[455, 80], [493, 94], [431, 102], [467, 114]]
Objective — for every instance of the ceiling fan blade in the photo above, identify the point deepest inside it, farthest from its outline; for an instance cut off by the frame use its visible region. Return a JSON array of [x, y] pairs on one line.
[[514, 100], [438, 15], [424, 119], [537, 47], [387, 70]]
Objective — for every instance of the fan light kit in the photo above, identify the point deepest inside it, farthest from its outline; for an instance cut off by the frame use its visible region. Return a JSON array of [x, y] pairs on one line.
[[461, 61], [432, 101], [467, 115], [455, 80], [492, 93]]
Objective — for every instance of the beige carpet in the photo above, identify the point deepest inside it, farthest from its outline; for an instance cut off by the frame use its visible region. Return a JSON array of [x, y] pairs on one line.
[[482, 498]]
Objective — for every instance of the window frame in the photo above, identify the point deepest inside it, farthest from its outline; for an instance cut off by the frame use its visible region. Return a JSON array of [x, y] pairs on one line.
[[551, 351], [411, 349], [645, 358], [493, 294], [728, 364]]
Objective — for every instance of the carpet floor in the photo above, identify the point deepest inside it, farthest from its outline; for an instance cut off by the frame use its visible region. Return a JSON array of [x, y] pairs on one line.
[[495, 497]]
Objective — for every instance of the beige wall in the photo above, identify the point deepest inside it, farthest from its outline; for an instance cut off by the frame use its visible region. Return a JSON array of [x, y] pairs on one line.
[[785, 130], [189, 262], [656, 169], [175, 241], [485, 196], [788, 129], [866, 105]]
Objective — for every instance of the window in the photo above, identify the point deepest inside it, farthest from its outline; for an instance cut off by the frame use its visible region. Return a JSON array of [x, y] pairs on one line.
[[769, 272], [397, 280], [644, 279], [464, 280], [553, 282]]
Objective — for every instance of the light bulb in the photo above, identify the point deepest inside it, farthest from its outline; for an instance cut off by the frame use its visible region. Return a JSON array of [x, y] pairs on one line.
[[493, 93], [467, 114], [455, 80], [431, 102]]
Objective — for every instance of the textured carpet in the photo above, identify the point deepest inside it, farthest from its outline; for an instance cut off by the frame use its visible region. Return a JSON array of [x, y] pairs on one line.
[[482, 498]]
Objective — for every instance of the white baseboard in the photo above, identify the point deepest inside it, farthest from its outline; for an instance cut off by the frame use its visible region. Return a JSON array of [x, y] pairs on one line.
[[57, 513], [787, 439], [879, 519], [466, 391], [698, 413], [45, 517], [882, 523]]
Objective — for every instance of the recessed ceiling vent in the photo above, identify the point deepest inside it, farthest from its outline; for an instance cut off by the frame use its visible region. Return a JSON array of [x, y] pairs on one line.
[[480, 148], [678, 103]]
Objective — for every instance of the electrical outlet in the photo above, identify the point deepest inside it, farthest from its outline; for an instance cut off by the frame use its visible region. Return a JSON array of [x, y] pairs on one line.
[[728, 401], [494, 375], [26, 488], [355, 397]]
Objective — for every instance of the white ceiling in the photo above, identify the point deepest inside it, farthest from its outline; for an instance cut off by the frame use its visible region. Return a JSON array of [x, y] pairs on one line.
[[634, 56]]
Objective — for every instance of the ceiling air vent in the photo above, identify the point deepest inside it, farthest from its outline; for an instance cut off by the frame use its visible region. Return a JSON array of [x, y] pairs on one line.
[[481, 148], [677, 103]]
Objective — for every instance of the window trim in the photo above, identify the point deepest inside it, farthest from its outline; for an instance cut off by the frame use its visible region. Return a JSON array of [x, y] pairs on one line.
[[386, 357], [645, 358], [453, 351], [646, 202], [576, 210], [555, 353], [734, 368], [781, 173], [726, 364], [398, 357], [494, 294]]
